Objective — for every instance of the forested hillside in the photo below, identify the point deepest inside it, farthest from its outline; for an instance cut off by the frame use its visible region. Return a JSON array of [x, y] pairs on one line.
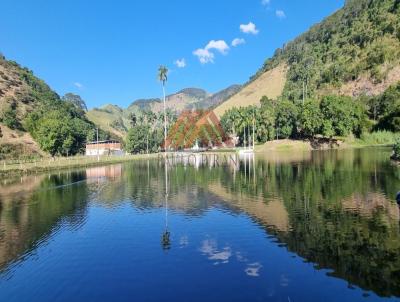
[[27, 104], [342, 78], [354, 52], [362, 40]]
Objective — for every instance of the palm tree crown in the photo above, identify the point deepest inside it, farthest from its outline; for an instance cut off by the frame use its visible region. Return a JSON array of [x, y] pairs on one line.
[[163, 74]]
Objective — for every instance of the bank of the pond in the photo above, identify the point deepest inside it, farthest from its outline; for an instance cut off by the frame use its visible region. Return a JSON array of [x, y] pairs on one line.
[[289, 145], [18, 167]]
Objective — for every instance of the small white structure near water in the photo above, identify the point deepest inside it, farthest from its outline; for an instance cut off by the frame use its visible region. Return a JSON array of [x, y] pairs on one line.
[[100, 148]]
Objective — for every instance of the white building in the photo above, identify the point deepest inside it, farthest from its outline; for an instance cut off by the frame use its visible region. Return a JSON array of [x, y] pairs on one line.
[[104, 148]]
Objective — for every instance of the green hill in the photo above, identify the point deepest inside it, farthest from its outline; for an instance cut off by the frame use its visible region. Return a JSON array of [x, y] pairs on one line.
[[110, 118], [362, 40], [353, 52], [31, 115]]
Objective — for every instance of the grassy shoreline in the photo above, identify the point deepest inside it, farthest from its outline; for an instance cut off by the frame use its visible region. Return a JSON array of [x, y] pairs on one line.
[[15, 168], [63, 163], [336, 143]]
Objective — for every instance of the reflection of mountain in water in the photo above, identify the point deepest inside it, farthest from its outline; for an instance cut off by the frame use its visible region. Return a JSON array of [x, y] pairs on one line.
[[331, 208]]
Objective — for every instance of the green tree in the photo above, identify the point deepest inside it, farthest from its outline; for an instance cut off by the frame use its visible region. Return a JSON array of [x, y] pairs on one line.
[[286, 117], [311, 118], [343, 115], [76, 100], [390, 121], [265, 117], [389, 101], [60, 133], [230, 121], [51, 133], [137, 139]]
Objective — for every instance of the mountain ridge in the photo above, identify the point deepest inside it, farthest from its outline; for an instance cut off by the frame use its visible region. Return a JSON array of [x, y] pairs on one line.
[[116, 120]]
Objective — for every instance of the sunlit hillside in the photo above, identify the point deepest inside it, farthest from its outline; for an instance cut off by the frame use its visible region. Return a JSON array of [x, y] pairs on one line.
[[269, 84]]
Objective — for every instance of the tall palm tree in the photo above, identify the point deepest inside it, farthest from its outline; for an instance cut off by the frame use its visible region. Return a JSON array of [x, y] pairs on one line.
[[163, 78]]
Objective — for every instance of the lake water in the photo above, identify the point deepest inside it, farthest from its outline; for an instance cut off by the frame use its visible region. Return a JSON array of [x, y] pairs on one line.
[[318, 226]]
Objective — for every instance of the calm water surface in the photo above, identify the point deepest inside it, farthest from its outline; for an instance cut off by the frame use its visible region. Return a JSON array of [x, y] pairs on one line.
[[320, 226]]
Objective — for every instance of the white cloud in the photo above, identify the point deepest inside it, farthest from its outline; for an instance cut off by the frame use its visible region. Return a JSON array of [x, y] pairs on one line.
[[280, 14], [265, 2], [206, 55], [238, 41], [219, 45], [249, 28], [180, 63], [78, 85]]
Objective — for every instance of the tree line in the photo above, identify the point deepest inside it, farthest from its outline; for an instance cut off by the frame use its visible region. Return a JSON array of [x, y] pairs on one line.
[[146, 134], [328, 117]]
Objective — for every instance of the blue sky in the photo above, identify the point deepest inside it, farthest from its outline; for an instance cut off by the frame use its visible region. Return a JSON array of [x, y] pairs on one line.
[[109, 51]]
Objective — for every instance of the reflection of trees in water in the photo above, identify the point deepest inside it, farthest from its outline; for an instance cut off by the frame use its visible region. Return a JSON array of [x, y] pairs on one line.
[[143, 184], [339, 216], [338, 213], [35, 216], [330, 208], [166, 240]]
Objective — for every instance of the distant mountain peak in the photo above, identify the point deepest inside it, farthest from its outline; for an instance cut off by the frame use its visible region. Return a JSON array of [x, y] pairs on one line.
[[194, 92], [76, 100]]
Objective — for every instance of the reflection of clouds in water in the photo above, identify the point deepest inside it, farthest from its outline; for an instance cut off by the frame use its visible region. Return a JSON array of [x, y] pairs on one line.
[[240, 257], [284, 282], [183, 241], [253, 269], [210, 249]]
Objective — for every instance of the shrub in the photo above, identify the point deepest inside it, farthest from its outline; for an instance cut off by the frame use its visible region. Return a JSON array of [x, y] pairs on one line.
[[396, 150], [9, 119], [380, 138]]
